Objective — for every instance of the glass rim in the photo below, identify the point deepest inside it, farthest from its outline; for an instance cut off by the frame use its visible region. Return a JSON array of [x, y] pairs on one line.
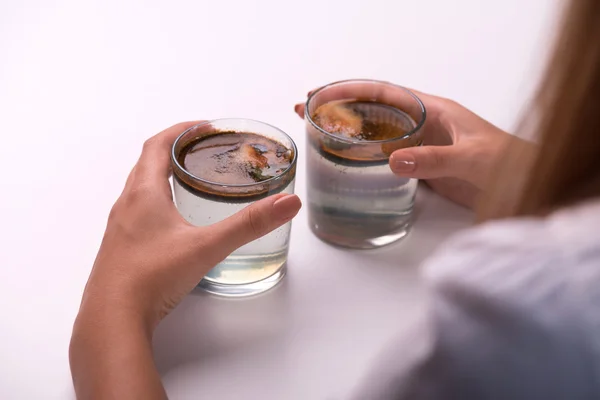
[[366, 142], [233, 185]]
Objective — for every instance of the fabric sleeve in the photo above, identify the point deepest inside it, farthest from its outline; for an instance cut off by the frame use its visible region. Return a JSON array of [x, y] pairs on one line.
[[499, 325]]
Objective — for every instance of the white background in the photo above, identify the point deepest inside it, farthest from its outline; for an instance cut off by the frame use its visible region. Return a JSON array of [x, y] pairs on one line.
[[83, 83]]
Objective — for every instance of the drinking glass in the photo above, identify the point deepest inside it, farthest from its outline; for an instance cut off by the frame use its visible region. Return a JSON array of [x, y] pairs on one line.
[[354, 199], [261, 264]]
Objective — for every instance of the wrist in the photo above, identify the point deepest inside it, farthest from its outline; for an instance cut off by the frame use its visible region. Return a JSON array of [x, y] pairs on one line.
[[111, 353], [116, 303], [108, 317]]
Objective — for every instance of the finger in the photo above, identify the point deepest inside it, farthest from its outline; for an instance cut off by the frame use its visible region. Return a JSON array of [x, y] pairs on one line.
[[299, 109], [386, 93], [338, 92], [155, 161], [154, 165], [427, 162], [253, 222], [130, 179]]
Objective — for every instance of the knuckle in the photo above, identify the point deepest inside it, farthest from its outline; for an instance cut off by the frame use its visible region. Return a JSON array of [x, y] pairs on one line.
[[181, 125], [151, 142], [140, 192], [446, 102], [115, 211], [118, 219], [449, 102], [437, 159], [255, 221]]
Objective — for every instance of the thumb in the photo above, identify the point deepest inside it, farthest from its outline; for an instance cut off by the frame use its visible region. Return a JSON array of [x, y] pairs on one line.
[[426, 162], [253, 222]]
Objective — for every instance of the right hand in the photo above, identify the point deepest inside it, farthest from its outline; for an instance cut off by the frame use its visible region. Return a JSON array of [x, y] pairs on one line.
[[459, 150]]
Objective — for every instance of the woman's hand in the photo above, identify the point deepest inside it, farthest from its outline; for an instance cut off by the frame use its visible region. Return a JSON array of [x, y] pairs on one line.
[[150, 258], [459, 152]]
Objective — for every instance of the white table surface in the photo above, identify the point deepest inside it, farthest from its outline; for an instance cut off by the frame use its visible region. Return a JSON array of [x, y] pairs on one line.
[[83, 83]]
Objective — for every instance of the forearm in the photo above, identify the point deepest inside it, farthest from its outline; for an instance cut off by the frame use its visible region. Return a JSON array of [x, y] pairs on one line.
[[111, 358]]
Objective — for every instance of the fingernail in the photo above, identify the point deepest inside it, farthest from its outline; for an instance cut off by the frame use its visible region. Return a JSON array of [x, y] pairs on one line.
[[404, 164], [297, 108], [286, 207]]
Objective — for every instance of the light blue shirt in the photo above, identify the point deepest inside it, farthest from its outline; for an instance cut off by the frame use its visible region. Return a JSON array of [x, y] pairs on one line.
[[514, 313]]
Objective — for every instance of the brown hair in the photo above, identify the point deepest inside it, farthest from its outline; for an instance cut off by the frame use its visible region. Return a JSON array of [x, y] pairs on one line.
[[565, 169]]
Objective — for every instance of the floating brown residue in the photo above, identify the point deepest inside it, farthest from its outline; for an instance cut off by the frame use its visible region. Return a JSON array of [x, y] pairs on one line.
[[363, 121], [235, 158]]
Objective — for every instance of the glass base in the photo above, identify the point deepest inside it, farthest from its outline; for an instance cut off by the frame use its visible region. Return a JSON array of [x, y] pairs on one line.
[[243, 290], [361, 243]]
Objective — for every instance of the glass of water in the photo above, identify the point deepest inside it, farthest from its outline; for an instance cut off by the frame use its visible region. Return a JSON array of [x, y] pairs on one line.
[[352, 128], [222, 166]]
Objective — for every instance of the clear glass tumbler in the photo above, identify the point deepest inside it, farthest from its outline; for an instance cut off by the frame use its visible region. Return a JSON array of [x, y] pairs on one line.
[[354, 199], [261, 264]]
